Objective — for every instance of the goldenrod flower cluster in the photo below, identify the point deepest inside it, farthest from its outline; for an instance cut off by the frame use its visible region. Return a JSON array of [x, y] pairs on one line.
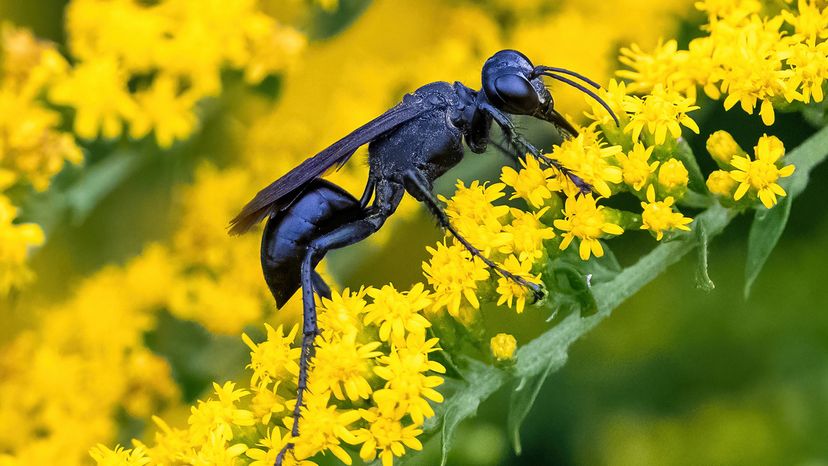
[[374, 378], [753, 54], [371, 381], [32, 146]]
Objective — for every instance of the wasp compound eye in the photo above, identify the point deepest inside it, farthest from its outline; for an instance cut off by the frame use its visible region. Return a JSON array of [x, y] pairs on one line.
[[516, 94]]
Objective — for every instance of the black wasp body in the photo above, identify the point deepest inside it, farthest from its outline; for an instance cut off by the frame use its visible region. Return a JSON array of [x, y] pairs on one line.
[[409, 147]]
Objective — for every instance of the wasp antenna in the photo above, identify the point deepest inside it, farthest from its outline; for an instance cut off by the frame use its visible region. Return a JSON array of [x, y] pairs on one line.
[[541, 68], [585, 91]]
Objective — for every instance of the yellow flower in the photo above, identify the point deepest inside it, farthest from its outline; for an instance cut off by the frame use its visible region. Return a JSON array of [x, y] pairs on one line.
[[586, 221], [266, 402], [503, 346], [323, 426], [16, 240], [760, 176], [510, 290], [810, 23], [660, 112], [659, 216], [636, 166], [274, 358], [527, 235], [750, 56], [722, 147], [672, 178], [165, 110], [119, 456], [532, 183], [721, 184], [344, 364], [454, 275], [386, 435], [590, 159], [614, 95], [219, 416], [666, 66], [272, 444], [341, 315], [472, 213], [408, 384], [809, 66], [97, 90], [396, 313]]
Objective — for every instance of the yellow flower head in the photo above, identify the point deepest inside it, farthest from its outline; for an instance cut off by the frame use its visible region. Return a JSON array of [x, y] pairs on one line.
[[509, 290], [454, 275], [722, 147], [341, 315], [660, 112], [119, 456], [760, 176], [344, 364], [588, 222], [659, 216], [503, 346], [614, 95], [386, 435], [666, 65], [15, 242], [810, 22], [636, 166], [410, 384], [672, 178], [721, 184], [591, 160], [274, 358], [532, 183], [396, 313], [471, 211], [324, 426], [527, 233]]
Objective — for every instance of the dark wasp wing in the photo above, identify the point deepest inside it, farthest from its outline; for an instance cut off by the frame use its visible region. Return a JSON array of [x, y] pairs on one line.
[[281, 192]]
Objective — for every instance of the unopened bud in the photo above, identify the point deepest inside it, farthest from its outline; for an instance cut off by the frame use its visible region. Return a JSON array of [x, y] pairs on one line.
[[672, 179], [503, 346], [722, 148]]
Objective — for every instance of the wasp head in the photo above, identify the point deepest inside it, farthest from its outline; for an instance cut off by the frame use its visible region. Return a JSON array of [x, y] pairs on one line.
[[514, 85]]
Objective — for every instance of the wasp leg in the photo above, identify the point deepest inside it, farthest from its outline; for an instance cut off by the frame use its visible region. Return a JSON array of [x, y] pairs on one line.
[[518, 141], [388, 197], [319, 285], [420, 189]]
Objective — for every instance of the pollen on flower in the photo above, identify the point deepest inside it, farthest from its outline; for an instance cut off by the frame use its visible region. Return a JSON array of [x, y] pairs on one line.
[[471, 211], [532, 183], [586, 221], [454, 275], [759, 177], [527, 234], [659, 216], [396, 313], [636, 167], [509, 290], [503, 346], [672, 179], [721, 184], [661, 112]]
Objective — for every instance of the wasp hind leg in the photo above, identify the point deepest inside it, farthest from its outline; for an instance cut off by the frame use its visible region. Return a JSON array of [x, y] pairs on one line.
[[345, 235]]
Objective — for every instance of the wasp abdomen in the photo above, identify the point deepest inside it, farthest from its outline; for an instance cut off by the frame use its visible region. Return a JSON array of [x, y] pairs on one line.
[[321, 207]]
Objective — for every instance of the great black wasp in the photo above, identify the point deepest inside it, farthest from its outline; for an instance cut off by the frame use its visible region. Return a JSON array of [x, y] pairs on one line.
[[409, 146]]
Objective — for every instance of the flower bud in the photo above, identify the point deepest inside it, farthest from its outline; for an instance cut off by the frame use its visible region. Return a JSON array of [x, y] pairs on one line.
[[722, 148], [672, 179], [721, 184], [503, 346]]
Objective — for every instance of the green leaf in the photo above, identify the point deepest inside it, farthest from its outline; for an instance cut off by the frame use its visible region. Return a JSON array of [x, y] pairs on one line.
[[480, 381], [703, 281], [768, 224], [520, 403]]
